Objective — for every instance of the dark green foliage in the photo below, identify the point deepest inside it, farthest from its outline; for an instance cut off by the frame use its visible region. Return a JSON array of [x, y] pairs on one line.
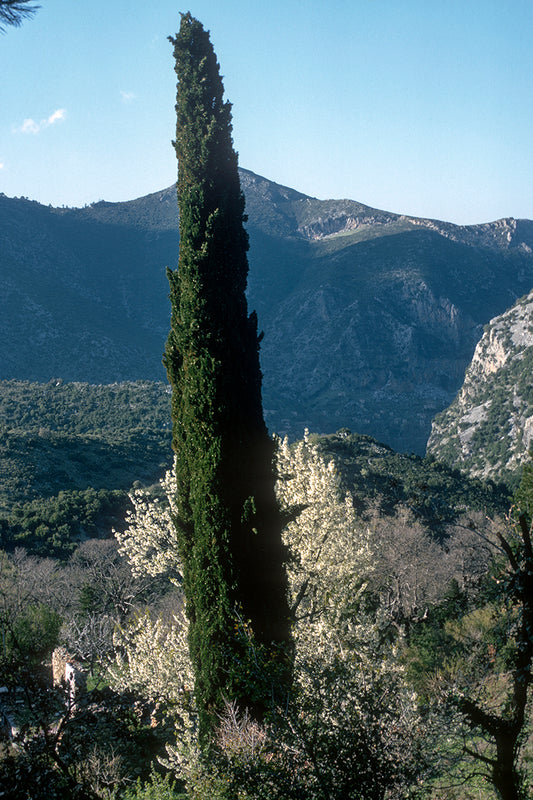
[[523, 498], [116, 409], [36, 631], [12, 12], [436, 493], [32, 774], [428, 644], [481, 649], [158, 787], [229, 523], [52, 526], [69, 452], [28, 637]]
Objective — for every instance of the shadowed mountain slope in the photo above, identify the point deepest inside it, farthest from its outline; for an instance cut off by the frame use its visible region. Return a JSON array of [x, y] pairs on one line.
[[370, 318]]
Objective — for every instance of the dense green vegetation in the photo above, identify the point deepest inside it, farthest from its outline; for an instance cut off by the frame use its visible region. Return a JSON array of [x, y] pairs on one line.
[[80, 408], [69, 453], [435, 493], [52, 526], [455, 637]]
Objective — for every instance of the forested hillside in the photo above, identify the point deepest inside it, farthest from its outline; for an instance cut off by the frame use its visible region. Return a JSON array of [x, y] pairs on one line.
[[382, 480], [69, 453]]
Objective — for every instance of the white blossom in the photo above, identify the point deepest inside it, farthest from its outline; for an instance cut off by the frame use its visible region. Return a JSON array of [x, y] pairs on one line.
[[152, 658], [150, 540], [331, 550], [347, 679]]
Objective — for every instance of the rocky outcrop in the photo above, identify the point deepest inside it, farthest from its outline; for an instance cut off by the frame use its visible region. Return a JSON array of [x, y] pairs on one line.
[[68, 671], [384, 364], [488, 429]]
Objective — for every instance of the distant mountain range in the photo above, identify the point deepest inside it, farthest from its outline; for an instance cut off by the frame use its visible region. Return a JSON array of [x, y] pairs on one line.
[[370, 318], [488, 429]]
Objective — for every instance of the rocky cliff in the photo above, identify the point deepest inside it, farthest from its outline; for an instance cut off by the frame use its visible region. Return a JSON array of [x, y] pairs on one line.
[[488, 429]]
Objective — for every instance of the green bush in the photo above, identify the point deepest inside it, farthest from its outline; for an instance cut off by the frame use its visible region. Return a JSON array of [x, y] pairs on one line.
[[157, 787]]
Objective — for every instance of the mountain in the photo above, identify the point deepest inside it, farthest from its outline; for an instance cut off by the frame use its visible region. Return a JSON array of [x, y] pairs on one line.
[[370, 318], [488, 428]]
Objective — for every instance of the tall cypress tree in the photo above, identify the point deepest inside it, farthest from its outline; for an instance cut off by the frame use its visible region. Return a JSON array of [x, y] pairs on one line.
[[228, 518]]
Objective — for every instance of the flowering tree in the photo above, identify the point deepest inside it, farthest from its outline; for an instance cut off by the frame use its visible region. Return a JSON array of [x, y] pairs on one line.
[[348, 728], [326, 546], [354, 720], [150, 541]]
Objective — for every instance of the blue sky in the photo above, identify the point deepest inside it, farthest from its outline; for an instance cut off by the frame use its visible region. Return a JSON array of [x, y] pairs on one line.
[[422, 107]]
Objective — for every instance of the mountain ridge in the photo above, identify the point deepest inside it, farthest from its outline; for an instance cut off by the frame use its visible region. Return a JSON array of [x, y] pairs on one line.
[[370, 318], [345, 215]]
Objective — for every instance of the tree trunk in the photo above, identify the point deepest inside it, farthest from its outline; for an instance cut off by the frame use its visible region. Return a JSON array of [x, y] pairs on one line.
[[504, 775]]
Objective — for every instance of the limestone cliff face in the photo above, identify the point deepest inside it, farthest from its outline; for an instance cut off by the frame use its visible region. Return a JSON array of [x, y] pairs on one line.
[[488, 429]]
